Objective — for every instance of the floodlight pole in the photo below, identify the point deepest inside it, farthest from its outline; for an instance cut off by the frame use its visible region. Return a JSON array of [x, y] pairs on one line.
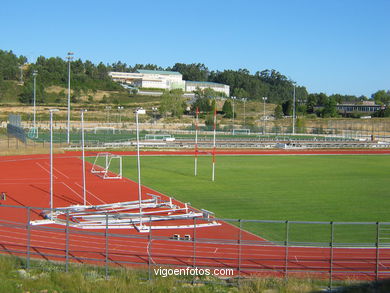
[[120, 118], [293, 126], [82, 147], [108, 108], [21, 73], [215, 126], [264, 99], [70, 58], [138, 167], [196, 141], [51, 162], [233, 98], [244, 99], [34, 102]]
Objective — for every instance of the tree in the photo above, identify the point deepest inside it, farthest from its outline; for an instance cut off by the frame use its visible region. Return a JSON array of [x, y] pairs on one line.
[[203, 99], [27, 94], [287, 107], [278, 112], [213, 106], [173, 103], [227, 109], [330, 109], [240, 93], [382, 97], [311, 103], [195, 72]]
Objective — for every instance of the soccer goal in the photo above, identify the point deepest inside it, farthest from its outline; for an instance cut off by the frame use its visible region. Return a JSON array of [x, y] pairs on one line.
[[104, 128], [241, 131], [158, 137], [33, 133], [107, 166]]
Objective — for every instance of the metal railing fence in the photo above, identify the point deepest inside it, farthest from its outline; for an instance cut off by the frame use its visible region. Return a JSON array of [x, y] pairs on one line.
[[332, 250]]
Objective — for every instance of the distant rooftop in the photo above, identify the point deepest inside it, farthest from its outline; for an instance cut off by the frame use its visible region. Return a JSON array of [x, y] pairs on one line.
[[204, 83], [162, 72]]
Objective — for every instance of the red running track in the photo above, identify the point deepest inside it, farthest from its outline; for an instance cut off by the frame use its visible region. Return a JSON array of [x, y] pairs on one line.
[[25, 179]]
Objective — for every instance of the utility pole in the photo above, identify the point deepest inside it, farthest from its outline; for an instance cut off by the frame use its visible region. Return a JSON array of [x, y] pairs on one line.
[[70, 58], [34, 102], [264, 99], [244, 99], [233, 99], [51, 162], [293, 126], [83, 152]]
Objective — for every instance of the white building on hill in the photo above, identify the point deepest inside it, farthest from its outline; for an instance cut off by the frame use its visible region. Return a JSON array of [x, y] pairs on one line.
[[166, 80], [191, 86], [159, 79]]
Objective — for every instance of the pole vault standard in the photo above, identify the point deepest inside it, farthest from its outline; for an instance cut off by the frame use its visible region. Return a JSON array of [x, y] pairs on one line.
[[51, 161], [215, 126], [196, 140], [70, 58], [137, 112], [82, 144]]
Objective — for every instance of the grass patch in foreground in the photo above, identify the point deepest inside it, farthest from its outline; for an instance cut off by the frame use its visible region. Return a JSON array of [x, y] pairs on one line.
[[50, 277], [301, 188]]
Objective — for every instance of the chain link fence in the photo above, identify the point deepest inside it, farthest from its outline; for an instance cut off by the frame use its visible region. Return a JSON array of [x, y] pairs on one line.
[[241, 248]]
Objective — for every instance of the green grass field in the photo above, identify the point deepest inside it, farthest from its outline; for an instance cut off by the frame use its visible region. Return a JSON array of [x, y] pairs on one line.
[[299, 188]]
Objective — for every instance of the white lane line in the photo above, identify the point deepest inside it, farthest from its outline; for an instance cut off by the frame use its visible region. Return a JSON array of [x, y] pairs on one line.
[[55, 169], [46, 170], [92, 194], [74, 191]]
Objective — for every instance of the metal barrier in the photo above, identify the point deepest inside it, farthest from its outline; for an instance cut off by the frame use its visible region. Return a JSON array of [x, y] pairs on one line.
[[332, 250]]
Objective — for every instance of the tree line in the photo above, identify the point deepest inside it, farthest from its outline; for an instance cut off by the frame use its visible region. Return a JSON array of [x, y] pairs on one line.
[[87, 76]]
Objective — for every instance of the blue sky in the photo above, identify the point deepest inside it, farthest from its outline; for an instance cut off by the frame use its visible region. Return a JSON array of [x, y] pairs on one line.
[[333, 46]]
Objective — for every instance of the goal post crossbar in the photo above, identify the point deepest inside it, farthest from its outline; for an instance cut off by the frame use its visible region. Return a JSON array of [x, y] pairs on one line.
[[157, 136], [97, 128], [241, 131]]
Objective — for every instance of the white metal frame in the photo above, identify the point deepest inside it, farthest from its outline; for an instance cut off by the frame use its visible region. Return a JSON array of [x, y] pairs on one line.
[[104, 172], [241, 131], [157, 136], [95, 129]]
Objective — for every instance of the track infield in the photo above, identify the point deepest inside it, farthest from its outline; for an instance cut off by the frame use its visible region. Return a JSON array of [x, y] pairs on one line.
[[26, 183]]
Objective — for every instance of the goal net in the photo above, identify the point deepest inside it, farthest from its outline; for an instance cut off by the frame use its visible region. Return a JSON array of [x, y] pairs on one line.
[[241, 131], [33, 133], [157, 136], [107, 166], [105, 129]]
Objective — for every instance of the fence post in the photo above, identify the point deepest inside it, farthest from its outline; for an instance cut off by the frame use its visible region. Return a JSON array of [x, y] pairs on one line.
[[28, 238], [150, 249], [106, 260], [67, 242], [286, 251], [194, 244], [377, 252], [239, 250], [331, 256]]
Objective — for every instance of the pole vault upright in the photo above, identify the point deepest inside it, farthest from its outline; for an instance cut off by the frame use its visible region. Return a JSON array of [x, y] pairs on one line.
[[215, 126], [51, 162], [83, 152], [196, 140], [137, 112]]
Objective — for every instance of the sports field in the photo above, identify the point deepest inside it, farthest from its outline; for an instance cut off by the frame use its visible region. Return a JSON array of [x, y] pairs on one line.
[[26, 184], [301, 188], [108, 135]]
